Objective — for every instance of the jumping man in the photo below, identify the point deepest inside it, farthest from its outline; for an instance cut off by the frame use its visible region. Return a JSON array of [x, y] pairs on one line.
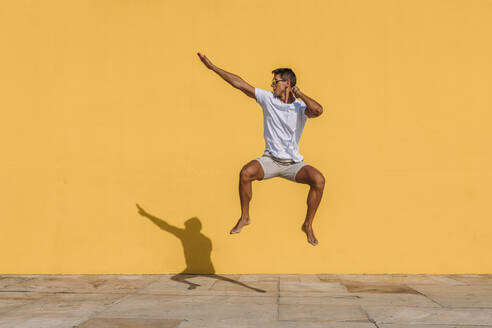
[[284, 118]]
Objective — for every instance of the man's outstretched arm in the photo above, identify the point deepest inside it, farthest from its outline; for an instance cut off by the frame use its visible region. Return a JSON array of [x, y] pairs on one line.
[[234, 80]]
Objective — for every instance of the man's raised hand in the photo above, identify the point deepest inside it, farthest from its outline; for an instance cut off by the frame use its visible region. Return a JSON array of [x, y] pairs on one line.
[[205, 60], [296, 91], [233, 79]]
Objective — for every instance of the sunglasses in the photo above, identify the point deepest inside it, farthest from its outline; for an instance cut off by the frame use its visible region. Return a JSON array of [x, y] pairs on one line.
[[274, 81]]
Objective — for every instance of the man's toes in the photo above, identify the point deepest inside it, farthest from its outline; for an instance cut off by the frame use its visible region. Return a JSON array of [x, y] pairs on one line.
[[236, 229], [314, 241]]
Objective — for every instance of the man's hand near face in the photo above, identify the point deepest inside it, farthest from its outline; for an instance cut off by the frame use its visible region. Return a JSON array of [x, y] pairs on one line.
[[313, 109], [296, 91]]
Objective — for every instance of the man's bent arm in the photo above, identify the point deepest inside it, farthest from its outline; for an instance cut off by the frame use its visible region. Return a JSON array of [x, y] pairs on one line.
[[234, 80], [313, 108]]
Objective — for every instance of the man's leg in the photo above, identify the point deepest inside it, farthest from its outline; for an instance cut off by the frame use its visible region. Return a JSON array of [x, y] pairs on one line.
[[311, 176], [249, 172]]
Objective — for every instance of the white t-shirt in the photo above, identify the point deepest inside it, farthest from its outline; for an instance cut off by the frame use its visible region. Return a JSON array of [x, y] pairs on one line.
[[282, 125]]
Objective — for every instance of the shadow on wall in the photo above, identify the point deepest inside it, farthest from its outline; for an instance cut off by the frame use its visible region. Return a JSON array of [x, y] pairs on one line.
[[197, 250]]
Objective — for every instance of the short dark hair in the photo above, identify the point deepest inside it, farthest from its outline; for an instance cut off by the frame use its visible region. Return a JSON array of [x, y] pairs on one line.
[[286, 73]]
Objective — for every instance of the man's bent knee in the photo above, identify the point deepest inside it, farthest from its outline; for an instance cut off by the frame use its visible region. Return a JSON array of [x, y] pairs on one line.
[[251, 171], [318, 182]]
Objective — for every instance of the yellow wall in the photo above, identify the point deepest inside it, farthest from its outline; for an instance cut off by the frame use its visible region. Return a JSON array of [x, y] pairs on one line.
[[105, 104]]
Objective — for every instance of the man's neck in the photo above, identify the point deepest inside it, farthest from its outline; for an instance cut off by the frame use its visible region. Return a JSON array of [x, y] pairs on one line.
[[290, 99]]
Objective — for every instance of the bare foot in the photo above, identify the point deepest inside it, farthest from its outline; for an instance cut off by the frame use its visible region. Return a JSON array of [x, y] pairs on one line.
[[239, 225], [310, 234]]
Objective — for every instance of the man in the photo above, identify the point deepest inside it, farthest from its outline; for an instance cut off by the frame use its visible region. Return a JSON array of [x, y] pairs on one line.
[[284, 117]]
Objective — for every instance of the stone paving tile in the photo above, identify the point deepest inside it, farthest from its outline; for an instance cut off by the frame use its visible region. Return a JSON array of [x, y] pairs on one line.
[[204, 285], [8, 305], [272, 324], [166, 285], [258, 277], [56, 310], [216, 299], [289, 277], [370, 284], [420, 279], [475, 290], [76, 304], [153, 306], [330, 299], [80, 283], [207, 293], [328, 276], [378, 288], [459, 296], [306, 287], [8, 295], [262, 287], [457, 301], [40, 321], [425, 279], [311, 294], [13, 281], [411, 300], [392, 325], [419, 315], [363, 300], [469, 290], [472, 279], [447, 280], [12, 300], [129, 323], [373, 278], [389, 283], [309, 278], [321, 312]]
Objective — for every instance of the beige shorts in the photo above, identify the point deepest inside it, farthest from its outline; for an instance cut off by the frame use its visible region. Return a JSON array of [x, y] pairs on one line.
[[274, 168]]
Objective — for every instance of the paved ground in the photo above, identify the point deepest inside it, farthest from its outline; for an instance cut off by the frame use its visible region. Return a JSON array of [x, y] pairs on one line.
[[308, 301]]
